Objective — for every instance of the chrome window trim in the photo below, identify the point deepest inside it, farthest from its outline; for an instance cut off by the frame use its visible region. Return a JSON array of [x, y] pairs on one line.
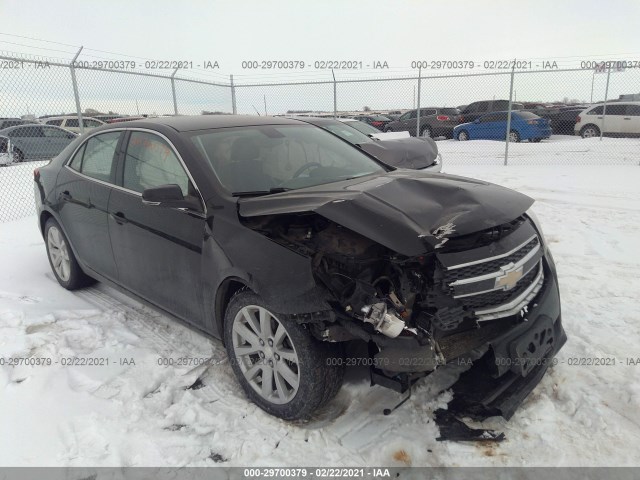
[[500, 271], [136, 129], [495, 257]]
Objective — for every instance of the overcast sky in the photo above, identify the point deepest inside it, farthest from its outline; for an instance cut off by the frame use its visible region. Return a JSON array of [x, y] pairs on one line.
[[398, 32]]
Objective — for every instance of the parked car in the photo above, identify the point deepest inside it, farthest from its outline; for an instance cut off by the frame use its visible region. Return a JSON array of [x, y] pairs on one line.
[[292, 245], [6, 158], [434, 122], [107, 117], [564, 121], [12, 122], [524, 126], [126, 119], [377, 121], [32, 141], [621, 119], [477, 109], [414, 153], [72, 123]]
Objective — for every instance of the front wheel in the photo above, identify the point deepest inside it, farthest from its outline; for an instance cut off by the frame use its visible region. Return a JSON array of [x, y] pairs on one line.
[[281, 367], [514, 136], [463, 135]]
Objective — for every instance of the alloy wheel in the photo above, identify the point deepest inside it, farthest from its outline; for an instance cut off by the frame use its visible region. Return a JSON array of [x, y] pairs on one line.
[[266, 355], [59, 253]]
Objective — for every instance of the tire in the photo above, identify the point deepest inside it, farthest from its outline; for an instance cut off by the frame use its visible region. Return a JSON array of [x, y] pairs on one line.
[[63, 262], [426, 132], [536, 140], [514, 136], [589, 131], [463, 135], [18, 156], [308, 361]]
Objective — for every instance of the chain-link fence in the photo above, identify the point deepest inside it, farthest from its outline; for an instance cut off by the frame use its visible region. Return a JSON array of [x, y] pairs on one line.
[[45, 104]]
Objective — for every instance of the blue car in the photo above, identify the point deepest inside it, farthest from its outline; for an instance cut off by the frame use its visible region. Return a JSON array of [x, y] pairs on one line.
[[493, 126]]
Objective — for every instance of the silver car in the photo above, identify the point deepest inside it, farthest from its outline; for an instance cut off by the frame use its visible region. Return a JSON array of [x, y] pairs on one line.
[[30, 142]]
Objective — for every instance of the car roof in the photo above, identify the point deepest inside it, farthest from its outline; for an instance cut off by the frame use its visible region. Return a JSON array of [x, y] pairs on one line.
[[318, 120], [188, 123]]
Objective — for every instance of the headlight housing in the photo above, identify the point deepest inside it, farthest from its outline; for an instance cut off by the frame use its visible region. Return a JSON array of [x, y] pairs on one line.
[[536, 223]]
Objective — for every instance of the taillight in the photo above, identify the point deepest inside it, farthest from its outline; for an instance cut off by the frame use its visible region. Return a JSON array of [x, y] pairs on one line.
[[442, 118], [578, 119], [461, 119], [376, 124], [36, 174]]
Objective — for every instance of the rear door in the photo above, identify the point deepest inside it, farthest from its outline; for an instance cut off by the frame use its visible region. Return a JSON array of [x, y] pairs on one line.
[[631, 120], [158, 250], [83, 189], [614, 118]]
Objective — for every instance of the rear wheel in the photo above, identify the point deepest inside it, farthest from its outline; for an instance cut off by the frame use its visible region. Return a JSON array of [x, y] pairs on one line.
[[426, 132], [463, 135], [18, 156], [61, 258], [514, 136], [281, 367], [589, 131]]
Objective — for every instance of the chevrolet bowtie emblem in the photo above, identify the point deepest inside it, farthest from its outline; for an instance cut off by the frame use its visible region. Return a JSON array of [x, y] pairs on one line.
[[509, 279]]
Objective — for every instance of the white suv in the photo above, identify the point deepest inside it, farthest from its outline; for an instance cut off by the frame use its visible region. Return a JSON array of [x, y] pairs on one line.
[[72, 124], [621, 119]]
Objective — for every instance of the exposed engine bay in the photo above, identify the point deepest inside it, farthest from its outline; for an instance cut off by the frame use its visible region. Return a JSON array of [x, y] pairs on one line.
[[417, 313]]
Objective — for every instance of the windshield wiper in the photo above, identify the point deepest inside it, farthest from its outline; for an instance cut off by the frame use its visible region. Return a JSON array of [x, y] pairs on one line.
[[261, 192]]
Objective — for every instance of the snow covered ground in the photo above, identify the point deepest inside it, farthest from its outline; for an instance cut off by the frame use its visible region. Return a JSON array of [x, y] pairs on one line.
[[147, 414]]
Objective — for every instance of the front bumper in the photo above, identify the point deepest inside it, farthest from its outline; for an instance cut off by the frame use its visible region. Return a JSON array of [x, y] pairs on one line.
[[515, 359]]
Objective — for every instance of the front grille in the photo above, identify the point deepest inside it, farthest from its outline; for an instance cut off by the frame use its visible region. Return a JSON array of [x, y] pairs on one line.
[[490, 266], [498, 297], [492, 281]]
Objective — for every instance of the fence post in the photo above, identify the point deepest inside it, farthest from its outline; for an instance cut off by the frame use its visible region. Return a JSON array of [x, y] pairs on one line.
[[335, 95], [506, 147], [75, 91], [604, 105], [173, 92], [418, 102], [234, 110]]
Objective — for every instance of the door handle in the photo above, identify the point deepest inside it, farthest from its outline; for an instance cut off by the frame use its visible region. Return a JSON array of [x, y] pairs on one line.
[[66, 196], [119, 218], [627, 118]]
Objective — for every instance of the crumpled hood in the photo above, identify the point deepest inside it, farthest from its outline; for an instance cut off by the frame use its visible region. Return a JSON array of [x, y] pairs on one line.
[[414, 153], [408, 211]]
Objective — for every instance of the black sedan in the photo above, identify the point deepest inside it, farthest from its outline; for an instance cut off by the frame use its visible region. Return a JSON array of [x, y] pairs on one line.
[[293, 246]]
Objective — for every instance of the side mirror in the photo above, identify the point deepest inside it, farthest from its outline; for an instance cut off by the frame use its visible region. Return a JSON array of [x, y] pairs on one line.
[[168, 196]]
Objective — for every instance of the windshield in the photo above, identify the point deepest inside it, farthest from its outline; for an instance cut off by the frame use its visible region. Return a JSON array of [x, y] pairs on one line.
[[268, 158], [346, 131], [363, 127]]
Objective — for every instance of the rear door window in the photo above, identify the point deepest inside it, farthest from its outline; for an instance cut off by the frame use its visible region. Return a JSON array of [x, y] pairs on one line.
[[616, 109], [97, 156]]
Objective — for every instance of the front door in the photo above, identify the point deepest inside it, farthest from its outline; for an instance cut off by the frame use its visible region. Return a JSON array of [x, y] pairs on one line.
[[158, 250]]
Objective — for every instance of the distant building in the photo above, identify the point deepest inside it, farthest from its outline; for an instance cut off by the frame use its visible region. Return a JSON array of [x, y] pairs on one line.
[[631, 97]]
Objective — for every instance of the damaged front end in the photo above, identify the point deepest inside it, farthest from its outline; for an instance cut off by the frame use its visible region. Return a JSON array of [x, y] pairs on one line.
[[466, 292]]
